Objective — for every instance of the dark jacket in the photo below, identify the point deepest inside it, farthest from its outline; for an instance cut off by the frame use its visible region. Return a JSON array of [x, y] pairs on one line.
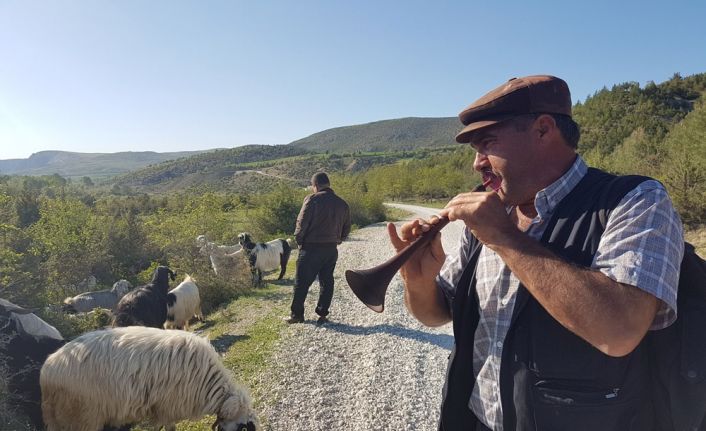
[[551, 379], [324, 219]]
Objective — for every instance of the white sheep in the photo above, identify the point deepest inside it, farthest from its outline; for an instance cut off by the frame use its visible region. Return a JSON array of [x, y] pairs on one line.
[[102, 298], [126, 375], [222, 257], [265, 257], [183, 303]]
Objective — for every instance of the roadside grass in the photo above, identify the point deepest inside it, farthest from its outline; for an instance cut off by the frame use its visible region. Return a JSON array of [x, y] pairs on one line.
[[430, 203], [393, 214]]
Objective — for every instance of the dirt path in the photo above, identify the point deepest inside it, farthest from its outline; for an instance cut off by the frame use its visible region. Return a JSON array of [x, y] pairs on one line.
[[364, 370]]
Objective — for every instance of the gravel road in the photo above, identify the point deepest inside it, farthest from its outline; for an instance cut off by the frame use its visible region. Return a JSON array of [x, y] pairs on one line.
[[363, 370]]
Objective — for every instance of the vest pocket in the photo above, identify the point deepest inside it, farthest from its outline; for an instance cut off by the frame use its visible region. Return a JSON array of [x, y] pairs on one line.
[[693, 344], [590, 410]]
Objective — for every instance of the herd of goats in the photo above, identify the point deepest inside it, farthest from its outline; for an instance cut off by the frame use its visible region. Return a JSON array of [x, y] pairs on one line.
[[142, 368]]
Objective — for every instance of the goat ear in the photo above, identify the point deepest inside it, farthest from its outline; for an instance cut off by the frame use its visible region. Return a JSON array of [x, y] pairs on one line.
[[214, 427]]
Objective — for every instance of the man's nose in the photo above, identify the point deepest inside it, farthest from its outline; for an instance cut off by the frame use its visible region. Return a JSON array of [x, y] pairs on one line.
[[480, 162]]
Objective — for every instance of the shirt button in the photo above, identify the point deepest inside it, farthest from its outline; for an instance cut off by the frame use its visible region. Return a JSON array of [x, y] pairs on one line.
[[499, 344]]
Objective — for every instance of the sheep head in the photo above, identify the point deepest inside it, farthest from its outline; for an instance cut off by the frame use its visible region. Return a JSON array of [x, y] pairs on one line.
[[121, 287], [250, 426], [236, 414]]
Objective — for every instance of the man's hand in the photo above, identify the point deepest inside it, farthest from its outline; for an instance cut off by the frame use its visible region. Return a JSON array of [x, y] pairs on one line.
[[428, 260], [422, 296], [485, 216]]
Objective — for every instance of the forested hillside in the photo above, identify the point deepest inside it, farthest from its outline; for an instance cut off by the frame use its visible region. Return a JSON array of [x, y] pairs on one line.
[[610, 116], [659, 131], [388, 135], [221, 171]]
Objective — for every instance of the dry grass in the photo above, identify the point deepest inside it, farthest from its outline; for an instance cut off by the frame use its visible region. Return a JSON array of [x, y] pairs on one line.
[[697, 237]]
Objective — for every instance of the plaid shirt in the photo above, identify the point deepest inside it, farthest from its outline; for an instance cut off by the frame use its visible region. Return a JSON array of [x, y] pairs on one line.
[[642, 246]]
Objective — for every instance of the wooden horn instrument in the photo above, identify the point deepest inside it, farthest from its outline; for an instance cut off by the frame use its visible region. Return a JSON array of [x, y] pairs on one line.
[[370, 285]]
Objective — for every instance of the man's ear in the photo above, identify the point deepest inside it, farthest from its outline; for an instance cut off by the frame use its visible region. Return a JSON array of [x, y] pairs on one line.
[[545, 123]]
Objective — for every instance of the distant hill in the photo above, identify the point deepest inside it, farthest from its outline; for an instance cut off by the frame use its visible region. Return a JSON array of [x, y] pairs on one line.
[[254, 168], [213, 166], [94, 165], [342, 149], [389, 135], [150, 169]]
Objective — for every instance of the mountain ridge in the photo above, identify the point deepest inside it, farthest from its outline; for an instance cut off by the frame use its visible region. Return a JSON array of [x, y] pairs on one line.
[[76, 164]]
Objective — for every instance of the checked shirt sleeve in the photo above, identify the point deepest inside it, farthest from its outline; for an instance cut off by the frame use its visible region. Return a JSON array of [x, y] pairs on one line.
[[643, 245]]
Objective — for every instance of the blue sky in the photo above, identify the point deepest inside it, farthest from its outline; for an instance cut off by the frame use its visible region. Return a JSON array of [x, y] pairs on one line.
[[108, 76]]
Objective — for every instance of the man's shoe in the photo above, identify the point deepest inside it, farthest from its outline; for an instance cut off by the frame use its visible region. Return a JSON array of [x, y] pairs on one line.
[[294, 319], [321, 320]]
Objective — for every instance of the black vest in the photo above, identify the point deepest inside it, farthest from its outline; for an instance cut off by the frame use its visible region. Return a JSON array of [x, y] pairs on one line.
[[551, 379]]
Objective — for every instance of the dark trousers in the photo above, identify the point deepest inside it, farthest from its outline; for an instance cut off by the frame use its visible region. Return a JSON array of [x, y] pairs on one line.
[[313, 261]]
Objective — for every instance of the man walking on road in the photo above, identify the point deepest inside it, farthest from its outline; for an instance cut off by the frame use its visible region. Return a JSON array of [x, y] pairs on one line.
[[323, 222]]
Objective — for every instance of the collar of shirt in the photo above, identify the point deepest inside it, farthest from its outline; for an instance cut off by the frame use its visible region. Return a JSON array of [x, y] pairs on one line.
[[546, 200]]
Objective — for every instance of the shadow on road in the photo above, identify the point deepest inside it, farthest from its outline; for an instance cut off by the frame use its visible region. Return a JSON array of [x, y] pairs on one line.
[[444, 341]]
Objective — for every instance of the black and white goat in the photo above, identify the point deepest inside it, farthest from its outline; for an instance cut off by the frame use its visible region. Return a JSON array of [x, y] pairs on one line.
[[265, 257], [146, 305], [183, 303], [25, 343]]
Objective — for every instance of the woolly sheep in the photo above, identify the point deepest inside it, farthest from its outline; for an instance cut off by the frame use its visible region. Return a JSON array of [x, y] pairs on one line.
[[265, 257], [183, 303], [147, 305], [122, 376], [100, 299]]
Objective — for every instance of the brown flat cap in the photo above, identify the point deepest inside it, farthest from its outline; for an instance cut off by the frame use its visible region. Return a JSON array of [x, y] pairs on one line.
[[538, 94]]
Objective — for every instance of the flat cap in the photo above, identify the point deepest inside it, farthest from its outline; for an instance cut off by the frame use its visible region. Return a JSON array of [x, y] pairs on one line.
[[537, 94]]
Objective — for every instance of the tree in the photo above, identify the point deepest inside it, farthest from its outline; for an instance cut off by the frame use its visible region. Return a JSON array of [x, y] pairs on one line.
[[684, 169], [66, 237]]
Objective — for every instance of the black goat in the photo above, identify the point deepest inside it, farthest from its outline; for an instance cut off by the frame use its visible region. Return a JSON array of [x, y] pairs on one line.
[[26, 343], [146, 305]]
